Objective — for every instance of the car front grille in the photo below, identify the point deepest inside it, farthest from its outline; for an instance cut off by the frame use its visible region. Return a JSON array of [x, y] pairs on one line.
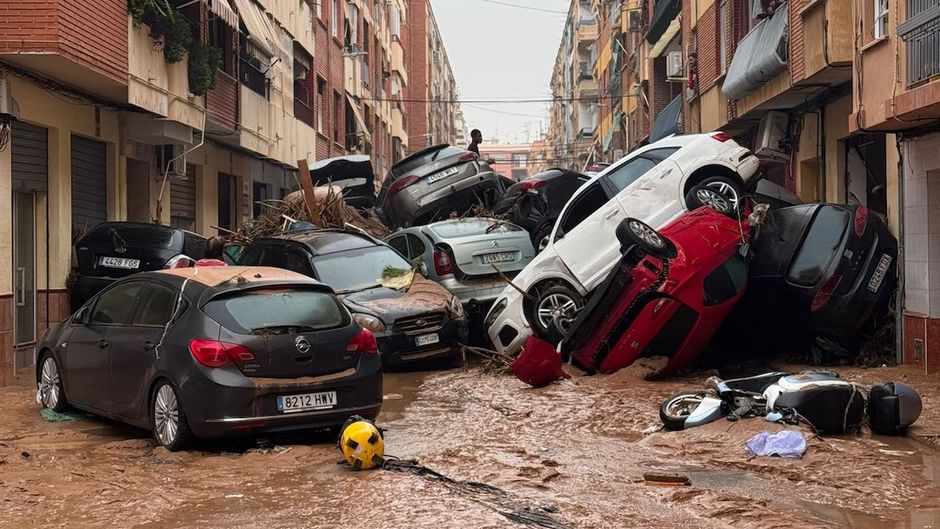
[[420, 324]]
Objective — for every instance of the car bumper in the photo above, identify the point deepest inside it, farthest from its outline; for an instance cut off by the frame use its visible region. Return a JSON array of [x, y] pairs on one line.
[[510, 328], [747, 168], [221, 403], [400, 349]]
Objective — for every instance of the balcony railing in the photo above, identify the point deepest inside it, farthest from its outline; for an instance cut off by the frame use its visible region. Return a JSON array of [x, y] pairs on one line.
[[921, 31]]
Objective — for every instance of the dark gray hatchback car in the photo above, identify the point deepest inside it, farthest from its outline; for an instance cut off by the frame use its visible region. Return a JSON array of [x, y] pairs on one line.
[[209, 352]]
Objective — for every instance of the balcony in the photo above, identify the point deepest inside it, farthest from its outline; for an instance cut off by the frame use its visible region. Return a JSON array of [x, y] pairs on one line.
[[826, 49], [921, 33], [398, 61]]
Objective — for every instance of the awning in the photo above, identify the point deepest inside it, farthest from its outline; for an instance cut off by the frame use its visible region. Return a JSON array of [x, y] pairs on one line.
[[224, 11], [666, 39], [360, 122], [260, 29], [663, 14], [614, 127], [761, 55], [667, 121]]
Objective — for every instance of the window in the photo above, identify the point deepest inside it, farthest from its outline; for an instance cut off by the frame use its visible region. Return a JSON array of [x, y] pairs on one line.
[[156, 306], [660, 154], [337, 104], [252, 65], [116, 306], [260, 191], [321, 108], [283, 308], [819, 247], [395, 22], [227, 201], [626, 174], [281, 256], [724, 28], [318, 5], [303, 87], [221, 37], [881, 18], [416, 247], [358, 269], [334, 18], [400, 244], [518, 159], [583, 207]]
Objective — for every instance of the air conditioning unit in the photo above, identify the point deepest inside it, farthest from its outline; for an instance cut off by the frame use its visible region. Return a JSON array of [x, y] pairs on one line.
[[772, 143], [635, 21], [674, 65], [171, 160]]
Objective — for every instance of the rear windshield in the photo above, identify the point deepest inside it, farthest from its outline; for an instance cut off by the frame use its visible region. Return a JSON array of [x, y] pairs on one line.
[[819, 246], [469, 228], [153, 236], [359, 269], [246, 312], [410, 165]]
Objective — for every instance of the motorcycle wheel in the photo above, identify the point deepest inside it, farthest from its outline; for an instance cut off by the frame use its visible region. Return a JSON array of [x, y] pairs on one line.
[[677, 408]]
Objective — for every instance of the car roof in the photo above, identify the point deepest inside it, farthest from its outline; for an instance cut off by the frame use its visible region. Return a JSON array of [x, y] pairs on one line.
[[143, 225], [323, 241], [212, 276]]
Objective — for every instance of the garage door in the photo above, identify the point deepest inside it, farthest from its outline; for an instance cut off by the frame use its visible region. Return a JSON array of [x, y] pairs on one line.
[[183, 200], [89, 183], [30, 157]]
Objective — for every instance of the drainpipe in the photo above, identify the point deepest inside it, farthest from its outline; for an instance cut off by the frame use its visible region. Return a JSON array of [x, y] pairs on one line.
[[899, 297], [821, 184]]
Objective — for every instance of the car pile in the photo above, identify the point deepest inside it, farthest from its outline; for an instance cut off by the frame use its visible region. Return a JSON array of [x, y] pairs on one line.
[[645, 257]]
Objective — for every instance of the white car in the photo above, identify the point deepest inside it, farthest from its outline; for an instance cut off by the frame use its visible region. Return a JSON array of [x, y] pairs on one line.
[[650, 184]]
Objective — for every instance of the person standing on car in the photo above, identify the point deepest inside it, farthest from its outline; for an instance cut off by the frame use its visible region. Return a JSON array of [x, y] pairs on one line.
[[212, 256], [476, 138]]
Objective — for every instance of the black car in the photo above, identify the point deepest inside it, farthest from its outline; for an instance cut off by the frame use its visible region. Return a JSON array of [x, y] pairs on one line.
[[209, 352], [351, 173], [423, 322], [112, 250], [431, 184], [536, 202], [826, 265]]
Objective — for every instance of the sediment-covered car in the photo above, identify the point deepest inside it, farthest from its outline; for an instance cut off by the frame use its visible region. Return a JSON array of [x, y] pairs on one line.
[[211, 352], [413, 319]]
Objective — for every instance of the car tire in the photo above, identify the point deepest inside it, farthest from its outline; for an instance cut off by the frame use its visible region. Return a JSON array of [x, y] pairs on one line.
[[51, 392], [557, 297], [167, 418], [724, 185], [542, 234], [701, 195], [649, 241], [676, 409]]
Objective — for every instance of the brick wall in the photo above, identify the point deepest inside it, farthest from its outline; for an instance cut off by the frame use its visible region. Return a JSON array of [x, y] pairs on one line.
[[92, 33], [415, 44], [708, 48], [797, 60], [328, 65]]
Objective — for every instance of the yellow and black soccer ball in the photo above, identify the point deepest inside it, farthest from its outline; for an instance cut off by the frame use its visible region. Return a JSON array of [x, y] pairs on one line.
[[361, 443]]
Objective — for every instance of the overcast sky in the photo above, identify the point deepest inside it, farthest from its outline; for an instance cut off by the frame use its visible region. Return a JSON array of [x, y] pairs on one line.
[[502, 52]]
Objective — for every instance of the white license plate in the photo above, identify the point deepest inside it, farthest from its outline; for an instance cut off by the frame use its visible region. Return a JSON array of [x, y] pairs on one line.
[[119, 262], [306, 402], [876, 278], [501, 257], [427, 339], [450, 171]]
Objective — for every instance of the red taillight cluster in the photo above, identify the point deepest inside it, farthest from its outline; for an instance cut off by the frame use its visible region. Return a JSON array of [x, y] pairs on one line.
[[443, 264], [532, 184], [861, 220], [401, 183], [213, 353], [469, 156], [720, 136], [821, 299], [364, 342]]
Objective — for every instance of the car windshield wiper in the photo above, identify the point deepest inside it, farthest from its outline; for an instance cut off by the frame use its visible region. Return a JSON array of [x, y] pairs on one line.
[[282, 329]]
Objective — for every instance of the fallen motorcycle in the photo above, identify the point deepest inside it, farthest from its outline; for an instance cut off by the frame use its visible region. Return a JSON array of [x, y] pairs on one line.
[[820, 399]]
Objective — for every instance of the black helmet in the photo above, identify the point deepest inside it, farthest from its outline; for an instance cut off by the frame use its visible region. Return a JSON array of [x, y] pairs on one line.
[[892, 407]]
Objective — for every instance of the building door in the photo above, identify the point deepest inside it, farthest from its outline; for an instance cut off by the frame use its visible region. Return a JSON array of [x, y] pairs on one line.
[[89, 183], [228, 202], [24, 277]]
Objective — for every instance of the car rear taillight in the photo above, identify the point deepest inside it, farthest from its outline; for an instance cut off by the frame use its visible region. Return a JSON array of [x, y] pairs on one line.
[[532, 184], [364, 342], [469, 156], [821, 299], [401, 183], [443, 264], [213, 353], [180, 261], [861, 220], [720, 136]]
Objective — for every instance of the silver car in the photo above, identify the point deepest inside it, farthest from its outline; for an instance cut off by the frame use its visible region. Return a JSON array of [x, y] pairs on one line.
[[461, 254]]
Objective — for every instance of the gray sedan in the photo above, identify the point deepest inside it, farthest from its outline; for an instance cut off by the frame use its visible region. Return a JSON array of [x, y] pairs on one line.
[[464, 254]]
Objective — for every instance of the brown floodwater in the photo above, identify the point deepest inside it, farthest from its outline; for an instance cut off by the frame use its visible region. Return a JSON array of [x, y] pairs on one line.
[[576, 449]]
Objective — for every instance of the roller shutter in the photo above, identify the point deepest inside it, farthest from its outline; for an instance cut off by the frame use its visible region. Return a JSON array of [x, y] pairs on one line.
[[89, 183], [183, 200], [30, 146]]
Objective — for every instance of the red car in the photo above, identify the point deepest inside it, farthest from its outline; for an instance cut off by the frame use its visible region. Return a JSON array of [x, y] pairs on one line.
[[669, 293]]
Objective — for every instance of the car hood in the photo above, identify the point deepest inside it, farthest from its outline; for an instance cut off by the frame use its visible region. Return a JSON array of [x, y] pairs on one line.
[[388, 304]]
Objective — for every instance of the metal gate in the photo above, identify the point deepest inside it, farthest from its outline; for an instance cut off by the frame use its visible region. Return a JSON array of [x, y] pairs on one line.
[[89, 183], [30, 157], [183, 200]]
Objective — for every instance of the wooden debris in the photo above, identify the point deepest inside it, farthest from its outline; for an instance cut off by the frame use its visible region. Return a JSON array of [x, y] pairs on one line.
[[666, 479]]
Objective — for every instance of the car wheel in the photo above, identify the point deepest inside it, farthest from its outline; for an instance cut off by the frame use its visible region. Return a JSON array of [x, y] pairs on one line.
[[724, 185], [559, 300], [635, 231], [542, 236], [167, 418], [677, 408], [50, 384], [707, 196]]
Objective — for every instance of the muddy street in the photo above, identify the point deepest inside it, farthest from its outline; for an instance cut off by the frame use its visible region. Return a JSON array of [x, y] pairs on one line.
[[577, 448]]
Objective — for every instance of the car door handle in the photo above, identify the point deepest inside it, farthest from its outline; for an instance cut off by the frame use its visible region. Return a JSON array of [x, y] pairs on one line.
[[666, 173], [610, 213], [103, 343], [149, 345]]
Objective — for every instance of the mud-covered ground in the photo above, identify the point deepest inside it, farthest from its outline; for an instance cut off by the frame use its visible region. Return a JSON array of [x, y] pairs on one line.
[[577, 446]]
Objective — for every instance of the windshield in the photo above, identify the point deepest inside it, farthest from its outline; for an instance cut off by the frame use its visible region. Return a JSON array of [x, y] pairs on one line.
[[469, 228], [133, 235], [359, 269], [408, 165], [819, 247], [257, 310]]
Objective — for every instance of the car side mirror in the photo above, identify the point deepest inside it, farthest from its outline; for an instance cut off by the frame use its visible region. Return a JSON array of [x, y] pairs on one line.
[[83, 316]]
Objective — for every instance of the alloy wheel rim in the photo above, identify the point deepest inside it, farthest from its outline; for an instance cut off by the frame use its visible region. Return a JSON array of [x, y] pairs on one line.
[[684, 405], [50, 383], [713, 199], [553, 306], [724, 189], [166, 415], [646, 234]]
